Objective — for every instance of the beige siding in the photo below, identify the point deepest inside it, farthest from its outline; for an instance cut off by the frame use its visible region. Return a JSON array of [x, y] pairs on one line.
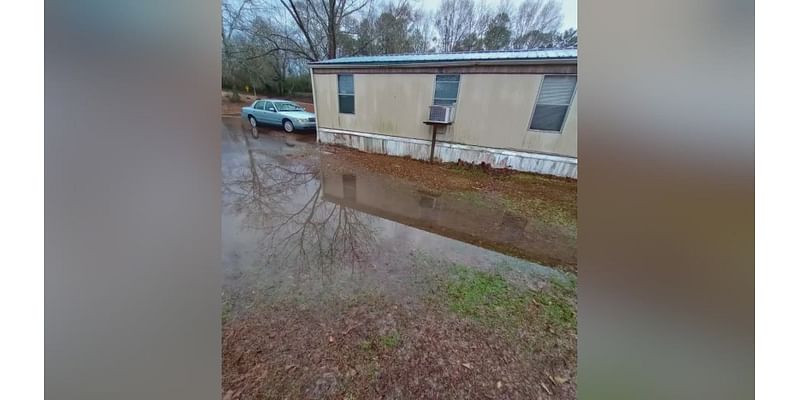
[[493, 110], [392, 104]]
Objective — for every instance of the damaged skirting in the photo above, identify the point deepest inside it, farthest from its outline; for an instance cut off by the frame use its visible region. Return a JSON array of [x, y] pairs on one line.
[[451, 152]]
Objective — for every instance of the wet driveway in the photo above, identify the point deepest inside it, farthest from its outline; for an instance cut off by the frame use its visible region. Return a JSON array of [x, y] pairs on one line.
[[315, 247]]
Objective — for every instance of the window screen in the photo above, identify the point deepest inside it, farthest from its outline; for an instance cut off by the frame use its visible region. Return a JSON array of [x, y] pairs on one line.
[[551, 107], [347, 95], [446, 92]]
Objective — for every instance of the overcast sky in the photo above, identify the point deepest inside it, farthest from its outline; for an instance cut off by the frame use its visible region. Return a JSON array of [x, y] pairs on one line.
[[570, 8]]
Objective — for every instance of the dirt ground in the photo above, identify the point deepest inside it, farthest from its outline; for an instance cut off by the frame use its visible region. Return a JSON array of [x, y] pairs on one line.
[[233, 108], [475, 337], [294, 353]]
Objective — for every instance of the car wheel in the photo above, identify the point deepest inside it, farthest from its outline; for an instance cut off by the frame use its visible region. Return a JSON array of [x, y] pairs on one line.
[[288, 126], [253, 121]]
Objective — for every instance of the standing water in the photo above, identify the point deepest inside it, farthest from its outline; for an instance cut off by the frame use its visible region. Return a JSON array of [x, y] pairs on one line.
[[339, 282]]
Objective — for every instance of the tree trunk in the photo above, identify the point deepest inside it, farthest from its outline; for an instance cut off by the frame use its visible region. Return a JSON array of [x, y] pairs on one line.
[[332, 30], [332, 46]]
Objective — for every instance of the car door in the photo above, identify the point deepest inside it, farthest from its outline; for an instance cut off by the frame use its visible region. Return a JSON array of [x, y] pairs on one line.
[[258, 111], [271, 113]]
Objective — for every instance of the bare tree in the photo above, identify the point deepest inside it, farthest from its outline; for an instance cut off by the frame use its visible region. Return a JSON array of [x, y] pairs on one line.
[[325, 17], [455, 20], [497, 35], [535, 23], [390, 27], [267, 43], [424, 26], [235, 18]]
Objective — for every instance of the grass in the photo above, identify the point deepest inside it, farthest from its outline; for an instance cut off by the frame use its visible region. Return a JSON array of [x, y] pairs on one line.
[[535, 208], [489, 299], [557, 303], [391, 340], [484, 297], [478, 199], [546, 206], [371, 346], [227, 309], [545, 210], [367, 346], [471, 171]]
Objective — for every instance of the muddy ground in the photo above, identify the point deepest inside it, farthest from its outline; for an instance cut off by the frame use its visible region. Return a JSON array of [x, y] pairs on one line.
[[355, 276]]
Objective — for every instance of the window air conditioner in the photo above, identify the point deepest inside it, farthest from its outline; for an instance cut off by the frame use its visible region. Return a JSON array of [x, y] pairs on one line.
[[442, 114]]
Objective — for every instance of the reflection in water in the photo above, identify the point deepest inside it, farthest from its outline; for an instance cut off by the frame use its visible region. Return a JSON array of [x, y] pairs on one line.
[[297, 228], [448, 215], [349, 187], [294, 228]]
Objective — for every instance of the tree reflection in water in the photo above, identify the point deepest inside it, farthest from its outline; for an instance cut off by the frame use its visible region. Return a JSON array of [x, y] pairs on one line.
[[296, 229]]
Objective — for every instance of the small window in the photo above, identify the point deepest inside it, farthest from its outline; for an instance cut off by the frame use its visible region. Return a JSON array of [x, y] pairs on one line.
[[446, 92], [259, 105], [551, 107], [269, 106], [347, 95]]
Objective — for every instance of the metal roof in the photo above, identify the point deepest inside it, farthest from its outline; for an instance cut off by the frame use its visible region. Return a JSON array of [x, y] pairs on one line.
[[543, 55]]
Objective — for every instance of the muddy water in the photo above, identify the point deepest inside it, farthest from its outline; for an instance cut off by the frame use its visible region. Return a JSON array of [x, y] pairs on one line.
[[298, 225]]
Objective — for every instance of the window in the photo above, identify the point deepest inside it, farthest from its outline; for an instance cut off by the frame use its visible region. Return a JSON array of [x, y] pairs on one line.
[[347, 95], [269, 106], [259, 105], [551, 107], [286, 106], [446, 92]]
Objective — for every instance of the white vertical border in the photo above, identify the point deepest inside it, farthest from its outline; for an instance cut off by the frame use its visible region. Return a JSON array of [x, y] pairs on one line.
[[22, 166], [314, 99], [777, 275]]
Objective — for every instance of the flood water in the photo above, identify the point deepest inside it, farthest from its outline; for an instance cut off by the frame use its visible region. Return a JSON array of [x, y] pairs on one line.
[[300, 225]]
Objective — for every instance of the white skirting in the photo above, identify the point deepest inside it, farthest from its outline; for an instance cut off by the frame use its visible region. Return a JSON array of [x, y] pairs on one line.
[[451, 152]]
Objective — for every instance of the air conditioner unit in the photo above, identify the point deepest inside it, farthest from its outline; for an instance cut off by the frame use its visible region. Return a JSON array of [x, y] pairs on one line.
[[443, 114]]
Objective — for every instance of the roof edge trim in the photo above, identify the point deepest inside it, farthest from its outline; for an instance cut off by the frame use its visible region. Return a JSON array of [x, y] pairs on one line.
[[433, 64]]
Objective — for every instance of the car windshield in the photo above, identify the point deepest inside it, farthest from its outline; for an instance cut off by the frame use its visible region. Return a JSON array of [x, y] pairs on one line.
[[288, 107]]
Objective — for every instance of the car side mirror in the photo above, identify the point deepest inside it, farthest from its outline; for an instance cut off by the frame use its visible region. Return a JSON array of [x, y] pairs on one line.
[[270, 109]]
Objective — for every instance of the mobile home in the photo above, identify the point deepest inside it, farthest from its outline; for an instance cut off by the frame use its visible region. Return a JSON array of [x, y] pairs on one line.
[[513, 109]]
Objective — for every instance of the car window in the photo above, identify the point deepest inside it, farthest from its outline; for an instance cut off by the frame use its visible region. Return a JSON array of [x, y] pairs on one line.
[[259, 105], [270, 107], [286, 106]]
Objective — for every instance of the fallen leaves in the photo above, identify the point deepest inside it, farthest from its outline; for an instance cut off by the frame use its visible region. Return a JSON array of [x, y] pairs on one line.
[[441, 357], [557, 380]]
